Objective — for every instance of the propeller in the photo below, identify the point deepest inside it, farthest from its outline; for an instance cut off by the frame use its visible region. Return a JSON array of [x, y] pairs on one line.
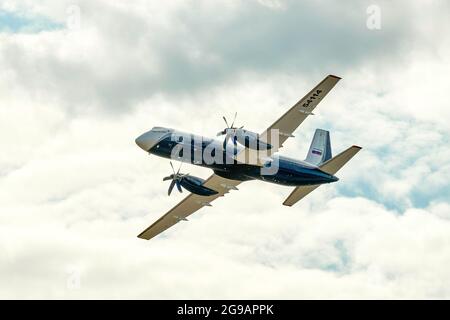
[[229, 131], [176, 178]]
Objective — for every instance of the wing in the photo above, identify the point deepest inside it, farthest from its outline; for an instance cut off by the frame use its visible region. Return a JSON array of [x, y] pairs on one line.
[[189, 205], [290, 121]]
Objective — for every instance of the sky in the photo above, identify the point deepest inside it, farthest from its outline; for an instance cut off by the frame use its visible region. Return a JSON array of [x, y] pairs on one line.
[[80, 80]]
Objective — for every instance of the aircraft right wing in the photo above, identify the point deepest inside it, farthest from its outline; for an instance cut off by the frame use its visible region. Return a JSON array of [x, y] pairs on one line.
[[189, 205]]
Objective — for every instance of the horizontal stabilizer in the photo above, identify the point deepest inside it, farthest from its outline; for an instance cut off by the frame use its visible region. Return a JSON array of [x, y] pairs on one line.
[[331, 166], [298, 194]]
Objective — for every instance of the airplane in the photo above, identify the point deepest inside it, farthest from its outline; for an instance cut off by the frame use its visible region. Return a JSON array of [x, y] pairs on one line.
[[244, 155]]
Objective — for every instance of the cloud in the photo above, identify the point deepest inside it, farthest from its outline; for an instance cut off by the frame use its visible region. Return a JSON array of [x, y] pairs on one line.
[[11, 22], [352, 248], [79, 190], [182, 49]]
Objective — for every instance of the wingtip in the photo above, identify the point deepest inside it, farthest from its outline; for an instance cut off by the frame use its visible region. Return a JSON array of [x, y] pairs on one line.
[[141, 236], [358, 147], [336, 77]]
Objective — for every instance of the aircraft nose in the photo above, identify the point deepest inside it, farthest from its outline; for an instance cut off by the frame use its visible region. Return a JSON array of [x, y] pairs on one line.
[[147, 140], [140, 141]]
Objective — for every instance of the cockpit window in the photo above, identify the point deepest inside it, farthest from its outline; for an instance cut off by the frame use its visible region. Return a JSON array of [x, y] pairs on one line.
[[160, 129]]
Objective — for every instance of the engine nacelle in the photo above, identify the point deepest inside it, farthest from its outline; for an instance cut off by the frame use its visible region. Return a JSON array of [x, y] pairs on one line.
[[251, 140], [195, 185]]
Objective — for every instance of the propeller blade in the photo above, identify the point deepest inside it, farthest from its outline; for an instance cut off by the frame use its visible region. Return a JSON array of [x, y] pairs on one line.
[[235, 115], [221, 133], [172, 184], [172, 167], [225, 141], [179, 168], [179, 186], [167, 178], [226, 122]]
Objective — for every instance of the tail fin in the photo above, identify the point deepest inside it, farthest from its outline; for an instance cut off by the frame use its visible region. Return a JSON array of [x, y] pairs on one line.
[[320, 149], [331, 166]]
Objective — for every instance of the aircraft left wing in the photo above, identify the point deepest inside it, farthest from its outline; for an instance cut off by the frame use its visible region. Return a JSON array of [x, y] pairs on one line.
[[289, 122], [189, 205]]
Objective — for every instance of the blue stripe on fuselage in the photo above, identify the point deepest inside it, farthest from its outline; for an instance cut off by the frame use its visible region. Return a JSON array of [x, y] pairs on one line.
[[290, 172]]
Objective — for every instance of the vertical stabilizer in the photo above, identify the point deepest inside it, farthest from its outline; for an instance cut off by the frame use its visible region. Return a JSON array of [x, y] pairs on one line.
[[320, 149]]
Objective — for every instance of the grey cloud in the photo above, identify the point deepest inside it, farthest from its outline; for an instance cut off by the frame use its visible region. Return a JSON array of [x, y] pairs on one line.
[[302, 38], [203, 46]]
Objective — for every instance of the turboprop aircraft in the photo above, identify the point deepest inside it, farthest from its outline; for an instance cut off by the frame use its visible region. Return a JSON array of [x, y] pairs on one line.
[[244, 155]]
